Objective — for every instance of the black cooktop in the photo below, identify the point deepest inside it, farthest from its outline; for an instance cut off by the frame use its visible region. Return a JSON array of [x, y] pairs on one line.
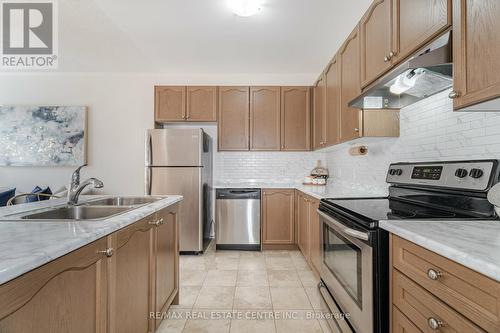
[[368, 211]]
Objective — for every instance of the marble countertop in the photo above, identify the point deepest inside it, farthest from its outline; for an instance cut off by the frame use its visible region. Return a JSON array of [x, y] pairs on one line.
[[474, 244], [25, 245], [332, 190]]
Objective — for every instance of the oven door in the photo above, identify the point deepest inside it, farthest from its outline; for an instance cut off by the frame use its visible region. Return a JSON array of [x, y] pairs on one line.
[[347, 270]]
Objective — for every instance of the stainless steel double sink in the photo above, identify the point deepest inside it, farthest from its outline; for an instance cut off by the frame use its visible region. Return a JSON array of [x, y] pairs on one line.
[[92, 210]]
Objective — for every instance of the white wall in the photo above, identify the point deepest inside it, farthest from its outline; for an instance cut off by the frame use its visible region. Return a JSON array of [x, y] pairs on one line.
[[430, 131], [120, 110]]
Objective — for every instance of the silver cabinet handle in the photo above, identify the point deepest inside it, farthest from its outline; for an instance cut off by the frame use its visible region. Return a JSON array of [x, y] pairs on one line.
[[108, 252], [434, 275], [356, 130], [386, 59], [392, 54], [156, 222], [434, 323], [454, 94]]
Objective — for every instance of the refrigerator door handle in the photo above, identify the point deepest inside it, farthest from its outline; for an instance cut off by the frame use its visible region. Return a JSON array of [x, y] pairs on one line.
[[149, 149], [149, 176]]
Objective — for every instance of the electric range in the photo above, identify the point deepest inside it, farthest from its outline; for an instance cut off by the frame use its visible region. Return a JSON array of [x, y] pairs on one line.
[[355, 251]]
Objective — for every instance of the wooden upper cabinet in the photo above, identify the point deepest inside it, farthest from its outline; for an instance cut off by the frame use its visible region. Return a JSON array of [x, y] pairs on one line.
[[170, 103], [319, 121], [265, 123], [416, 23], [65, 295], [278, 217], [295, 119], [350, 87], [201, 103], [332, 106], [234, 114], [476, 51], [376, 39]]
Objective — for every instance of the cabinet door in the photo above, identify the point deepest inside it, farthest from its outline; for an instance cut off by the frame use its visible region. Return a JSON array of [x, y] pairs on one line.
[[319, 125], [332, 111], [278, 216], [350, 88], [315, 234], [303, 224], [265, 118], [416, 23], [375, 35], [234, 114], [201, 104], [476, 51], [170, 103], [295, 119], [132, 281], [166, 260], [65, 295]]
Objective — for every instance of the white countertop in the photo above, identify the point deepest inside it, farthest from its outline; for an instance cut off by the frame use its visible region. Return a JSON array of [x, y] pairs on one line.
[[332, 190], [26, 245], [474, 244]]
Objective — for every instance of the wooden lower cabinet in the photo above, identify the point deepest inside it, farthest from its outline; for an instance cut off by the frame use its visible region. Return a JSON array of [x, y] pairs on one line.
[[278, 217], [308, 229], [401, 324], [67, 295], [166, 249], [131, 278], [111, 285], [428, 289], [314, 234], [303, 224]]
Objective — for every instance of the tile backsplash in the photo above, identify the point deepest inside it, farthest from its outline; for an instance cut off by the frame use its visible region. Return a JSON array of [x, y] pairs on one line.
[[430, 131], [281, 167]]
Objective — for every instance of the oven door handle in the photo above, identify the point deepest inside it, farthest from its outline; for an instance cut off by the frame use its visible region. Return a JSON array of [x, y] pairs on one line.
[[345, 230], [356, 234]]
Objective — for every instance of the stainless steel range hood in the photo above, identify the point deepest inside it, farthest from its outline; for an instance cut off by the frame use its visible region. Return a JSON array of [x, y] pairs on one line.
[[426, 73]]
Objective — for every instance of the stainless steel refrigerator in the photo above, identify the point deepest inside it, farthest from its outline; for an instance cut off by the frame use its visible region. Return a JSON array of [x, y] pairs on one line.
[[179, 161]]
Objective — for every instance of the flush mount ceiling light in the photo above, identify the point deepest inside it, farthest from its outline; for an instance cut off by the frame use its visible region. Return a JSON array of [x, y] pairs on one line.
[[245, 8]]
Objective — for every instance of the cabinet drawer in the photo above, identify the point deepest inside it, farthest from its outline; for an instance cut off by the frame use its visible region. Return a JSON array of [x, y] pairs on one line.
[[473, 295], [421, 308], [401, 324]]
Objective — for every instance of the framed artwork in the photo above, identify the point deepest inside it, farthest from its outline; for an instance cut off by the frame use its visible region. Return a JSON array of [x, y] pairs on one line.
[[43, 135]]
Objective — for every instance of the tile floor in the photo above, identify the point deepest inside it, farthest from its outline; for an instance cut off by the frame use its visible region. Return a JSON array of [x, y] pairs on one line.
[[238, 291]]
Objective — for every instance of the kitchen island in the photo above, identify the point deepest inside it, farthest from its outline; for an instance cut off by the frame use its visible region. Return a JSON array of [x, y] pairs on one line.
[[105, 275]]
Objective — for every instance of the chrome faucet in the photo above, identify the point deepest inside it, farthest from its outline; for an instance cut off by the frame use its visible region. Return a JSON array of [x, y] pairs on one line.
[[75, 188]]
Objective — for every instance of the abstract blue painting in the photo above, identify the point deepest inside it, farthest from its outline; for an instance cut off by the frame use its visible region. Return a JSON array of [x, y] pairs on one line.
[[42, 135]]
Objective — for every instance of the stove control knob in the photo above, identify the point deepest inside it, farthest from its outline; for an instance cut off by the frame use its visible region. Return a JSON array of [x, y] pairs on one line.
[[476, 173], [392, 172], [399, 172], [461, 173]]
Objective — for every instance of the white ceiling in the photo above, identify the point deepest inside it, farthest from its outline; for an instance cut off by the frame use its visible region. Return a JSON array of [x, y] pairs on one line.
[[202, 36]]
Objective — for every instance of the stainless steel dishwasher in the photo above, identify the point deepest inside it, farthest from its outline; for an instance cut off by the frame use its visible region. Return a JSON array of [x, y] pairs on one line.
[[237, 219]]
